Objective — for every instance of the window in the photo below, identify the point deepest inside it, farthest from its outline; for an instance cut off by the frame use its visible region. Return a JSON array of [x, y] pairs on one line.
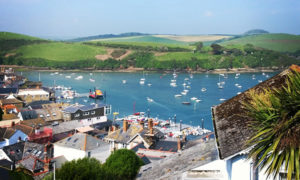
[[98, 117], [77, 115], [89, 119], [89, 154], [86, 113], [93, 112]]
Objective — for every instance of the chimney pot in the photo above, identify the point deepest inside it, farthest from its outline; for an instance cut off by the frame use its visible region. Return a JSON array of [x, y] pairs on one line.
[[125, 125], [150, 126], [178, 144]]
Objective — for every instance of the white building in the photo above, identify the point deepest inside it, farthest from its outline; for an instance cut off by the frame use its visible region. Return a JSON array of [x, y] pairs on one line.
[[81, 145]]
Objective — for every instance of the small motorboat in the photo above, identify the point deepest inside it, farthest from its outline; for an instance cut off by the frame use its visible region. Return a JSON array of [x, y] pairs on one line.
[[194, 98], [124, 81], [149, 99], [173, 84], [222, 99], [68, 77], [186, 103], [198, 100], [97, 94], [177, 95], [79, 77], [203, 89], [92, 80]]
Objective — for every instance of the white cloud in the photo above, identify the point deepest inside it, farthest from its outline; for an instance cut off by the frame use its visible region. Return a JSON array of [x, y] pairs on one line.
[[208, 13]]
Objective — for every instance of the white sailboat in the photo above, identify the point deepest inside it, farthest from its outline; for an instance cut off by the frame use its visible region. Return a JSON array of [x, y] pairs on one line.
[[143, 79]]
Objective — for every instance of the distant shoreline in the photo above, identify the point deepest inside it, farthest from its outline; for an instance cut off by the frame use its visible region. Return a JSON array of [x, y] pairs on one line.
[[133, 70]]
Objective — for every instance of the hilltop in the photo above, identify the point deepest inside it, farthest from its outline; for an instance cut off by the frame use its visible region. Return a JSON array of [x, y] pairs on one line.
[[152, 52]]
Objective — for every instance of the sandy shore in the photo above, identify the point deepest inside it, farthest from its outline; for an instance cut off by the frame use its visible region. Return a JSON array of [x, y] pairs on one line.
[[133, 69]]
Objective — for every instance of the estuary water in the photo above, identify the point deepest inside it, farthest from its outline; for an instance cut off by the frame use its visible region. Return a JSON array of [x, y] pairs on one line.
[[132, 96]]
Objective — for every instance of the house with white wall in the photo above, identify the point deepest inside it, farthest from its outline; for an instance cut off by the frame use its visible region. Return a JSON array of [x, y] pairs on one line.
[[81, 145]]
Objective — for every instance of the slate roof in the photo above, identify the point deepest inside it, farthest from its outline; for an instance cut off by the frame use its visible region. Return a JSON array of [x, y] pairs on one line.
[[25, 129], [8, 90], [38, 104], [6, 133], [231, 124], [81, 141], [72, 125], [27, 154], [10, 101], [170, 146], [31, 163], [15, 151], [75, 108], [28, 114]]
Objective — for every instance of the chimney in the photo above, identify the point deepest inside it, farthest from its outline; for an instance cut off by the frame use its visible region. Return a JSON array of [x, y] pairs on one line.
[[125, 125], [150, 126], [178, 144], [46, 160]]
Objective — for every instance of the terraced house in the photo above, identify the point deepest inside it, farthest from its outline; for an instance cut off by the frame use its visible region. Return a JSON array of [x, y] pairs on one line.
[[87, 114]]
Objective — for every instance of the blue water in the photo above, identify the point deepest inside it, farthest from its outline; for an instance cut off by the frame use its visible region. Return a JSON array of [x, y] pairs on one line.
[[130, 97]]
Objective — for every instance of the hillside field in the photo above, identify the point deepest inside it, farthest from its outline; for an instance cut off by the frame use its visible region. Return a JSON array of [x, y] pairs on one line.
[[9, 35], [275, 42], [59, 51], [147, 39]]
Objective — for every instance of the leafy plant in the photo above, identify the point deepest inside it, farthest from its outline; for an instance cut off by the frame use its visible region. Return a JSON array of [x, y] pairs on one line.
[[276, 125]]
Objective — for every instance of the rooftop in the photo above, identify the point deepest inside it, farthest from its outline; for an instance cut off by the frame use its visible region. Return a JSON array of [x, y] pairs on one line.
[[74, 108], [81, 141], [231, 124]]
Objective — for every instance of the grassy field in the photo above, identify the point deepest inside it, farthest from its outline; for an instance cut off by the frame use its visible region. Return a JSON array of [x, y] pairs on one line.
[[182, 56], [145, 44], [276, 42], [9, 35], [193, 38], [59, 51], [149, 39]]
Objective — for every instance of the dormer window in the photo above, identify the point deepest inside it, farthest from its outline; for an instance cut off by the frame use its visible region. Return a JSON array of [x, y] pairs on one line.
[[93, 112], [86, 113]]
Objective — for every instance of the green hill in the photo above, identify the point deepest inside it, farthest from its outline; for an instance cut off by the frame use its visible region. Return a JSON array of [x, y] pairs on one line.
[[147, 39], [9, 36], [59, 51], [276, 42]]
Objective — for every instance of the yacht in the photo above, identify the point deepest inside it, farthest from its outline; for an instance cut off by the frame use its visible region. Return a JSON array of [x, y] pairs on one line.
[[92, 80], [79, 77], [149, 99]]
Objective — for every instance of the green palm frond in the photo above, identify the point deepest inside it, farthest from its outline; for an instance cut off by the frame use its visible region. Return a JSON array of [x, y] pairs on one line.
[[276, 123]]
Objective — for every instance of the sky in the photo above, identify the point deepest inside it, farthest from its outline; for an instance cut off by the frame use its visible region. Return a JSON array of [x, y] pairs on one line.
[[78, 18]]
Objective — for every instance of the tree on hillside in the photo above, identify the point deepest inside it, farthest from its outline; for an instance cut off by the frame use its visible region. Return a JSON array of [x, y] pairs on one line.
[[122, 164], [276, 126], [216, 48], [199, 46]]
